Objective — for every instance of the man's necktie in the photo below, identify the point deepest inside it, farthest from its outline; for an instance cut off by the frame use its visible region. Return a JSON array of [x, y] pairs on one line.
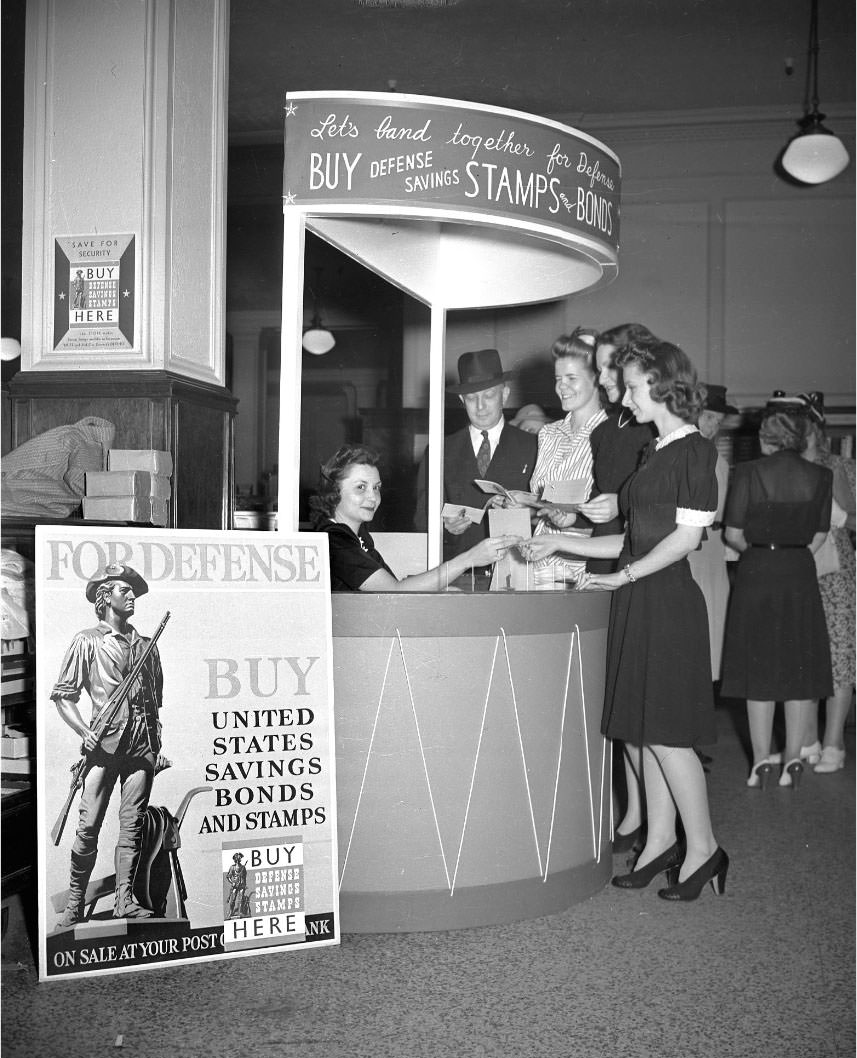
[[483, 456]]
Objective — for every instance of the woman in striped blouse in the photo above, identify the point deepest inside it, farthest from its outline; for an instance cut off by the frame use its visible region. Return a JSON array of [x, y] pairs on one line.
[[564, 450]]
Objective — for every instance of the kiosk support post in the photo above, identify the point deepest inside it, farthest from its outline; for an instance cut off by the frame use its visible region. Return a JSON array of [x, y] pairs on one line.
[[294, 234]]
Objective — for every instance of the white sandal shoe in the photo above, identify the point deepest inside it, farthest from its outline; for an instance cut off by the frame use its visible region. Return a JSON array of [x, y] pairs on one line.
[[832, 759], [811, 754]]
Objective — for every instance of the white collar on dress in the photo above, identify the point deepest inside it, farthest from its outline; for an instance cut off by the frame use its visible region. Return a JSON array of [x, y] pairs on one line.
[[674, 435]]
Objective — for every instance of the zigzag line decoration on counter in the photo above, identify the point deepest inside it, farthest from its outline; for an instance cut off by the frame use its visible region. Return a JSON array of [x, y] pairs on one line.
[[543, 858]]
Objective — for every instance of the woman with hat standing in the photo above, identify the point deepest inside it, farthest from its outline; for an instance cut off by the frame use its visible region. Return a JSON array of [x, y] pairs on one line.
[[708, 564], [776, 647]]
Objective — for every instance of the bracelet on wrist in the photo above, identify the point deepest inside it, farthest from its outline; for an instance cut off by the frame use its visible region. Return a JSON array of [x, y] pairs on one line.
[[631, 578]]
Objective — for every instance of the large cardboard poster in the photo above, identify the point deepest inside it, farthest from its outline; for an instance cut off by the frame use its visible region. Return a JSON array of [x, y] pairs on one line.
[[205, 824]]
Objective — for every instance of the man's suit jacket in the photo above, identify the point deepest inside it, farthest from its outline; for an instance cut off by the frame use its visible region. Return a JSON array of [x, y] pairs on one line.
[[511, 465]]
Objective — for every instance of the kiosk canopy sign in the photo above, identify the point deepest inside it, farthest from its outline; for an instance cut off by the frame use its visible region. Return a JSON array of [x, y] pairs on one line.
[[417, 154]]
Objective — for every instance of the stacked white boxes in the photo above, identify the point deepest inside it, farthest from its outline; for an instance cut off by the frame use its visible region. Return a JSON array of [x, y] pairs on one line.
[[135, 487]]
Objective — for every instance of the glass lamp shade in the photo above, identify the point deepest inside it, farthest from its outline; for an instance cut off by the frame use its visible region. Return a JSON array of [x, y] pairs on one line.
[[318, 341], [814, 156], [10, 349]]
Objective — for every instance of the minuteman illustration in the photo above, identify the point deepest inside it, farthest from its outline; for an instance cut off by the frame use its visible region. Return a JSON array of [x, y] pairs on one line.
[[120, 670]]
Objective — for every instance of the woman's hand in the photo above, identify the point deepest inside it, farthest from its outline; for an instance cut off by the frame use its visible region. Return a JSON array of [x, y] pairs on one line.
[[492, 549], [456, 526], [556, 517], [518, 500], [600, 509], [538, 547], [601, 581]]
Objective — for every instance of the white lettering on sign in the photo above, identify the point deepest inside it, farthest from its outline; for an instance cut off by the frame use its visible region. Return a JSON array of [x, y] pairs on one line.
[[505, 142], [593, 171], [330, 129], [326, 170], [387, 131]]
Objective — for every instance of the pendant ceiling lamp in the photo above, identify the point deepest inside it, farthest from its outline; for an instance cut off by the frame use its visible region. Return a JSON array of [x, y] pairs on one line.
[[814, 155], [317, 339]]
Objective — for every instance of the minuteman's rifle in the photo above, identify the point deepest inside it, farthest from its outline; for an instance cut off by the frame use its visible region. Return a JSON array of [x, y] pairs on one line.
[[80, 768]]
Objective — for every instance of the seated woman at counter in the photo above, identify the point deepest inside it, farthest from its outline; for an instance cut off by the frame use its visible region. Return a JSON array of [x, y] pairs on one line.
[[658, 692], [349, 494]]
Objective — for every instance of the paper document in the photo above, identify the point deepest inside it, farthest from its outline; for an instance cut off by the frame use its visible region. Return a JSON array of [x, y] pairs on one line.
[[459, 510], [566, 495], [529, 499]]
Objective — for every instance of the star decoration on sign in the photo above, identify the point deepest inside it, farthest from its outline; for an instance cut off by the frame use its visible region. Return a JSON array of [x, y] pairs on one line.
[[126, 293], [62, 295], [291, 109], [288, 199]]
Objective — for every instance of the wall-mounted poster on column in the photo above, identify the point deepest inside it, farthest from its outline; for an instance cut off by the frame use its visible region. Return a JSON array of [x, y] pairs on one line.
[[186, 787], [94, 292]]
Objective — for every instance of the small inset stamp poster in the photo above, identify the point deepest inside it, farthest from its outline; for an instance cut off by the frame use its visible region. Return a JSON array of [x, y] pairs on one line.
[[185, 747], [94, 292]]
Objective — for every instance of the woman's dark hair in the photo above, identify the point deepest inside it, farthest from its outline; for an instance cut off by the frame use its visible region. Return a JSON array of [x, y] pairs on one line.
[[785, 430], [324, 502], [617, 338], [671, 374], [579, 345], [624, 333]]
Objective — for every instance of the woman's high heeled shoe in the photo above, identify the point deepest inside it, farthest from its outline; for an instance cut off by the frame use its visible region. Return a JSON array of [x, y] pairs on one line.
[[832, 759], [811, 754], [667, 861], [792, 774], [760, 774], [713, 870], [633, 841]]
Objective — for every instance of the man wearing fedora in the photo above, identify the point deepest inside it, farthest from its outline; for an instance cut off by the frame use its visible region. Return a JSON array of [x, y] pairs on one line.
[[488, 447], [127, 750]]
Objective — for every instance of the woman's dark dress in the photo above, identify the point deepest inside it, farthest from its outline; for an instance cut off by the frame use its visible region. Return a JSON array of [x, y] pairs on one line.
[[776, 646], [353, 557], [658, 688], [617, 444]]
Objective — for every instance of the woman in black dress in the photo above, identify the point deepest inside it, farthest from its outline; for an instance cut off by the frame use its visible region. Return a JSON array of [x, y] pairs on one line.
[[776, 647], [348, 495], [617, 444], [658, 691]]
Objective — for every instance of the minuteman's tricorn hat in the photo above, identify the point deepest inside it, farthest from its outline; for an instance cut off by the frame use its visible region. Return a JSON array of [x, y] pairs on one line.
[[479, 370], [116, 571]]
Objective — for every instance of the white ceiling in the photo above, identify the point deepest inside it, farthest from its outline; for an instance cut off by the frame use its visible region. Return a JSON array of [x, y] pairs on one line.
[[572, 58]]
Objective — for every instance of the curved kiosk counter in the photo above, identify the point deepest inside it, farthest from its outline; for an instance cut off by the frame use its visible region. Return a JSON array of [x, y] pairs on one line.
[[473, 785]]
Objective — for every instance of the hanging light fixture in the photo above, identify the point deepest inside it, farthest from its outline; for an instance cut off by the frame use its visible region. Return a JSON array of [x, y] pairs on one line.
[[317, 339], [814, 154]]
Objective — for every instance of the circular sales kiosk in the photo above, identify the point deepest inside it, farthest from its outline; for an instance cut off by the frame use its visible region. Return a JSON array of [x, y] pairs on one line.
[[473, 785]]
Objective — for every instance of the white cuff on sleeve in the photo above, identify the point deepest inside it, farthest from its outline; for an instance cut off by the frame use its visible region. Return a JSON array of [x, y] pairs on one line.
[[697, 519]]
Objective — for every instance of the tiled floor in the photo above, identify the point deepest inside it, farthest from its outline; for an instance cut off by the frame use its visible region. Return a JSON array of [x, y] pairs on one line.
[[765, 971]]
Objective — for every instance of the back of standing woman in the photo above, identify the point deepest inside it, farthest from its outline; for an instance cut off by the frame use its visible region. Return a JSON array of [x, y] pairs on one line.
[[776, 645]]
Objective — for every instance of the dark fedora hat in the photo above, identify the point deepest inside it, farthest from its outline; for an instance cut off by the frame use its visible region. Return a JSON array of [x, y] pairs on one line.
[[116, 571], [479, 370], [715, 399]]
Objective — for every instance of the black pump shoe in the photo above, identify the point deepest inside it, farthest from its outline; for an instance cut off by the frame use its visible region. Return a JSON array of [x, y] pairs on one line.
[[667, 861], [713, 870], [633, 841]]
